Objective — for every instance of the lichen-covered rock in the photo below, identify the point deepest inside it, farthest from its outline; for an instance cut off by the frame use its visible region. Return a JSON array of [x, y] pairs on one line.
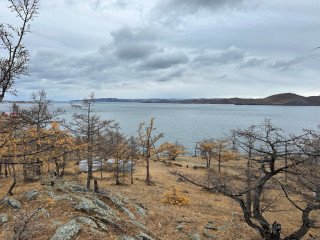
[[96, 232], [87, 221], [77, 188], [141, 211], [67, 231], [194, 236], [210, 236], [103, 205], [125, 238], [103, 226], [14, 204], [109, 221], [179, 227], [210, 227], [3, 219], [143, 236], [85, 205], [119, 204], [32, 194]]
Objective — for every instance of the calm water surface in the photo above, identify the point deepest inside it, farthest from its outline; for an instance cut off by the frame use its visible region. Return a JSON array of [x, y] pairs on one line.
[[189, 123]]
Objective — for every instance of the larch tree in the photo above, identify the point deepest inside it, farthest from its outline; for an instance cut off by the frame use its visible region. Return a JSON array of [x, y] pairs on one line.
[[133, 155], [207, 150], [89, 127], [15, 59], [147, 140], [172, 150], [37, 115], [270, 148]]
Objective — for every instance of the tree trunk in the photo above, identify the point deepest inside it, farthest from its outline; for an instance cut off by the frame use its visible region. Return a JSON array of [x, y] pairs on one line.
[[117, 172], [131, 171], [96, 188], [57, 166], [89, 161], [63, 165], [148, 170], [14, 181], [219, 161]]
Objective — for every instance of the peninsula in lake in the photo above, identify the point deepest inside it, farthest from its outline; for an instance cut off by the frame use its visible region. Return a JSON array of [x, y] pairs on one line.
[[286, 99]]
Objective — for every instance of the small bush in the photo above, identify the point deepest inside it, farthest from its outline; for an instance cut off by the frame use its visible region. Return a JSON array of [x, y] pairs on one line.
[[173, 198]]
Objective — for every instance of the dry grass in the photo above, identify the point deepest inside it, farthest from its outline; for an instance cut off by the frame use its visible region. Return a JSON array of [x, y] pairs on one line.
[[161, 218]]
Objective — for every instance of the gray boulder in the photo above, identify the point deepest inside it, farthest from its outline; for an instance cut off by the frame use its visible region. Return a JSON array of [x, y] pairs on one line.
[[3, 219], [143, 236], [210, 227], [85, 205], [194, 236], [32, 194], [67, 231], [14, 204]]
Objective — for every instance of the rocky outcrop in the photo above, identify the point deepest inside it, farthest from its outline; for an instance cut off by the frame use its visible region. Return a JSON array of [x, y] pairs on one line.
[[12, 203], [67, 231], [101, 215]]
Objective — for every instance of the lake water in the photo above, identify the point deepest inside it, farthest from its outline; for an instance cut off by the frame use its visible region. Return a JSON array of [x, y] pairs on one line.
[[189, 123]]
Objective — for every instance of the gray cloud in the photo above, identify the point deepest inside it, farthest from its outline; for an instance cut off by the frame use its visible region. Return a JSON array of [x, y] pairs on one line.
[[127, 34], [253, 62], [133, 44], [285, 64], [229, 56], [164, 60], [135, 50], [175, 8], [171, 76], [122, 48], [223, 76]]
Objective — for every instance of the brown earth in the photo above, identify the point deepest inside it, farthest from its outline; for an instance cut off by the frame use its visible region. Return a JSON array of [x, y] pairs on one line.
[[161, 219]]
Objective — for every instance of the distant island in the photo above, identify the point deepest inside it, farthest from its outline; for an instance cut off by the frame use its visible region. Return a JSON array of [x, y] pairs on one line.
[[286, 99]]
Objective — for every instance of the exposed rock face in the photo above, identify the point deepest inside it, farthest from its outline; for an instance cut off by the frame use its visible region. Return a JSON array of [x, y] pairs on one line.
[[99, 214], [118, 203], [87, 221], [85, 205], [141, 211], [67, 231]]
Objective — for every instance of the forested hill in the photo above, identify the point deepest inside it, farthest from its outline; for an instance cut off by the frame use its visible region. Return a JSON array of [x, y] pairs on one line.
[[287, 99]]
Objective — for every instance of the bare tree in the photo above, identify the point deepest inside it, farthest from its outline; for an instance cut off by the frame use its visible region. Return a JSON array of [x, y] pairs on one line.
[[89, 127], [269, 148], [15, 60], [133, 154], [147, 140]]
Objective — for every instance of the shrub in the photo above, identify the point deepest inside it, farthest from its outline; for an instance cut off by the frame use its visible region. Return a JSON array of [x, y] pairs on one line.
[[173, 198]]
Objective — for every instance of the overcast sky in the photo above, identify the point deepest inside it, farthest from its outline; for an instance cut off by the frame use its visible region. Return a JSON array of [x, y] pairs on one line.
[[172, 48]]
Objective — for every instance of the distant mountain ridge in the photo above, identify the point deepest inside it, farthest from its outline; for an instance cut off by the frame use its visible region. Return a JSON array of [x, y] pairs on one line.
[[286, 99]]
